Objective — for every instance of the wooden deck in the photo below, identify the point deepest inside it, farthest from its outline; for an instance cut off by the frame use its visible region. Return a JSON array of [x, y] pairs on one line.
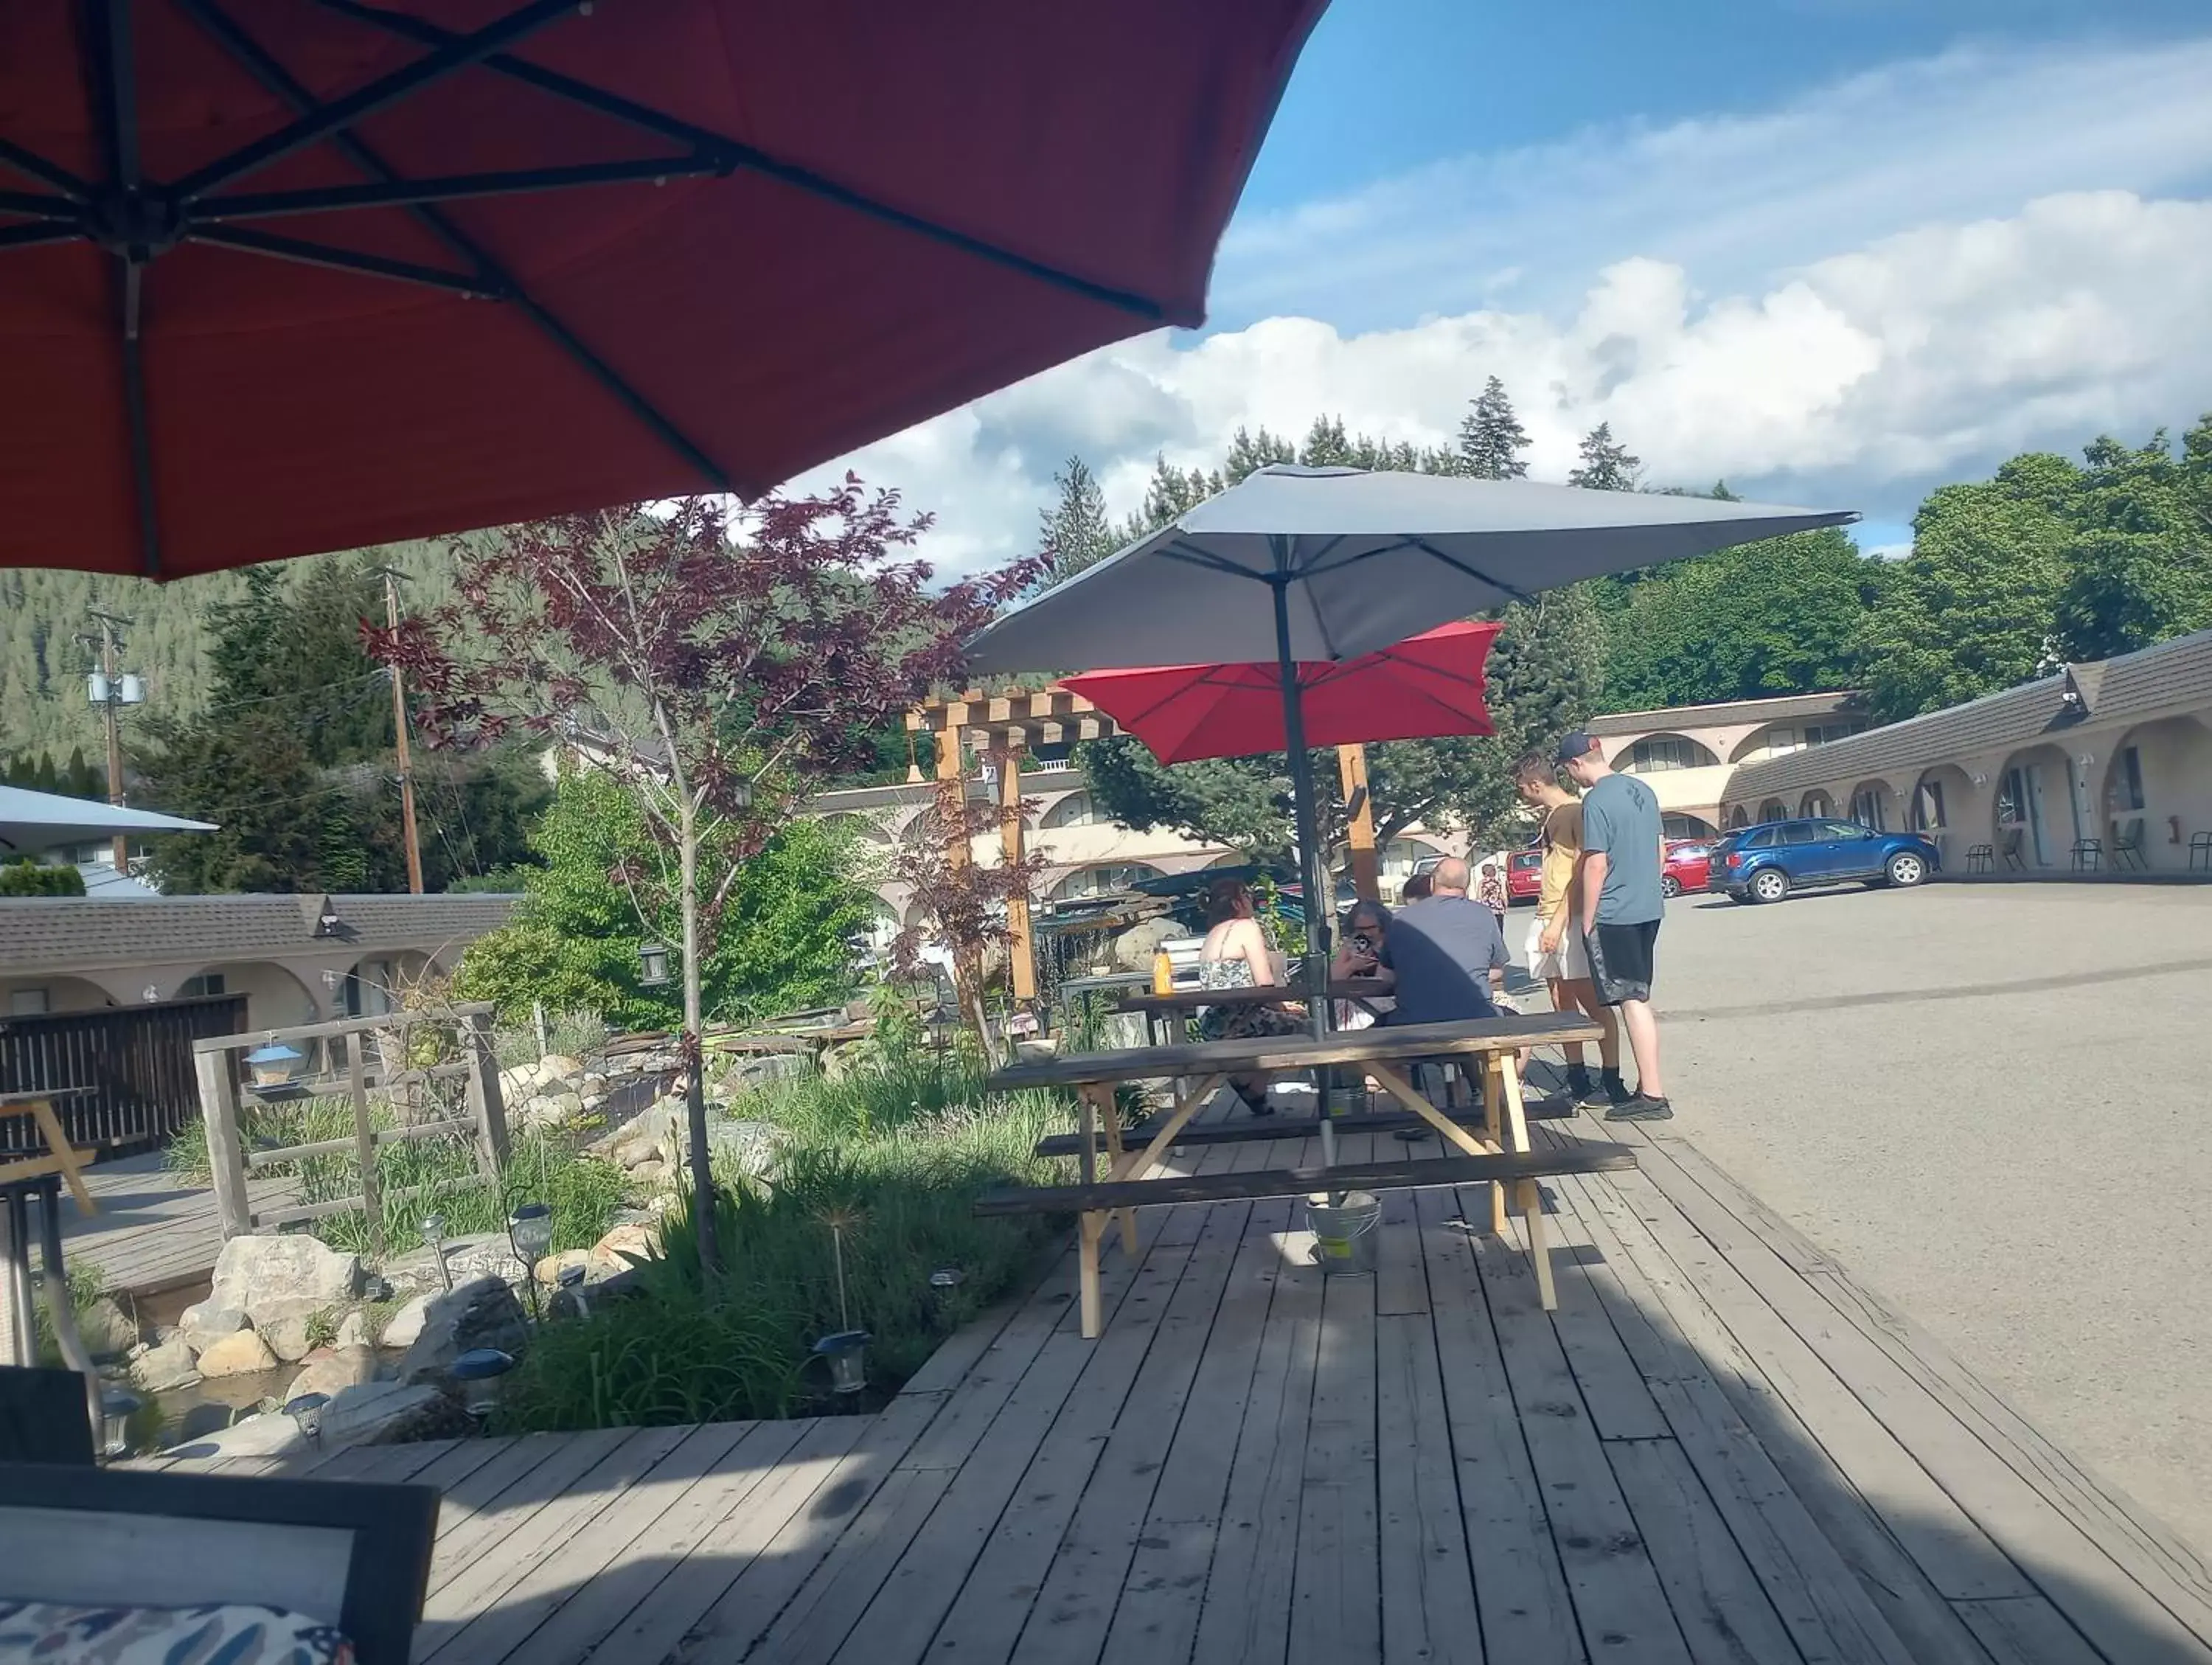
[[154, 1232], [1718, 1448]]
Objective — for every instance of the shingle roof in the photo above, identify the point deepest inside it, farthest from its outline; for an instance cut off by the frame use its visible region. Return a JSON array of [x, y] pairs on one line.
[[1780, 709], [2173, 675], [40, 934]]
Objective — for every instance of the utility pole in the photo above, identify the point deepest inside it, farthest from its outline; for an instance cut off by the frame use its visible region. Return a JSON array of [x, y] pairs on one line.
[[110, 689], [392, 577]]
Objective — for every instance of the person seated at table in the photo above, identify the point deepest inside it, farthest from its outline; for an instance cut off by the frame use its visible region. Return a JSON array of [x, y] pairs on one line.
[[1236, 955], [1443, 955], [1415, 888], [1359, 951]]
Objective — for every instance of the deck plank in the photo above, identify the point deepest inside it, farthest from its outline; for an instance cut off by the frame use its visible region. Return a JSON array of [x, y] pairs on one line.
[[1521, 1586], [1336, 1594], [1429, 1611]]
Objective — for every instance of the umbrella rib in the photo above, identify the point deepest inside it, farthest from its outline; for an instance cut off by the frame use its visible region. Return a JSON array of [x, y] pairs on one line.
[[337, 259], [400, 192], [32, 165], [37, 205], [1473, 572], [736, 155], [1213, 562], [457, 52], [273, 75], [45, 231]]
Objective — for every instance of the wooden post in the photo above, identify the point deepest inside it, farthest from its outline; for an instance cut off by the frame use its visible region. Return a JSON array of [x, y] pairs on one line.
[[225, 1151], [364, 1140], [1366, 877], [487, 1107], [1021, 952]]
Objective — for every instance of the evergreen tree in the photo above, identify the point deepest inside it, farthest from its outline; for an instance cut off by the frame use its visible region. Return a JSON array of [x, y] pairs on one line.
[[1607, 466], [81, 779], [1491, 437], [1249, 453], [1075, 529]]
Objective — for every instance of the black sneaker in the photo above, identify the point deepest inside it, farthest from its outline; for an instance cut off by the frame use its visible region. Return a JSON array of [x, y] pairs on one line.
[[1579, 1084], [1610, 1093], [1641, 1107]]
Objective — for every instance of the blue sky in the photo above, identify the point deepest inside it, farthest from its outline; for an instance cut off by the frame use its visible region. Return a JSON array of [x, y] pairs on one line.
[[1836, 251]]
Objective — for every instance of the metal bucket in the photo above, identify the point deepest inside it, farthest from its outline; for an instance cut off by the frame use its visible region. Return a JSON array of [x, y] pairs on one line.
[[1343, 1232]]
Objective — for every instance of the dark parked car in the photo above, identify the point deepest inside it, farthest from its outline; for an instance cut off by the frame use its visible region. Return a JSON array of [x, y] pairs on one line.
[[1766, 863]]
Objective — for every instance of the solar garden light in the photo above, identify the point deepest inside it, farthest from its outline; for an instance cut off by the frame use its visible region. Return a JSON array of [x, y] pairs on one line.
[[117, 1407], [846, 1355], [307, 1414], [433, 1239], [571, 1279], [478, 1372], [946, 1279], [530, 1230]]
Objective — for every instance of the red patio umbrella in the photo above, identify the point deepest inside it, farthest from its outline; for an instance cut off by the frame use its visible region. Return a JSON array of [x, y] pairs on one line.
[[1428, 685], [283, 275]]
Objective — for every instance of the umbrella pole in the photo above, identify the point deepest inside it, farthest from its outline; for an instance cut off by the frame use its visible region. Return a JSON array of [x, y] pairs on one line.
[[1318, 897]]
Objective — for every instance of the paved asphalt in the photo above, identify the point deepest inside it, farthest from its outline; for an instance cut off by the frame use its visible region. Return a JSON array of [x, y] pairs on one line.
[[1991, 1103]]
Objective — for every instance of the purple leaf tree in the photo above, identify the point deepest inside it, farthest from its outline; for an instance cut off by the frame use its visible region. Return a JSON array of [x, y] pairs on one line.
[[719, 665]]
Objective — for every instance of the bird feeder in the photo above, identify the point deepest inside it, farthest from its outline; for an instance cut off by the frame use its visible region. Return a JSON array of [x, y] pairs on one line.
[[275, 1065]]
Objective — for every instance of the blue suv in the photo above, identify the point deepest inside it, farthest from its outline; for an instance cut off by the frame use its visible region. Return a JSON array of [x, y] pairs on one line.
[[1766, 863]]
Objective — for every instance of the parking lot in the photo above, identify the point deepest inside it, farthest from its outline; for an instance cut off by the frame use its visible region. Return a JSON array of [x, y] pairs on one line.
[[1991, 1103]]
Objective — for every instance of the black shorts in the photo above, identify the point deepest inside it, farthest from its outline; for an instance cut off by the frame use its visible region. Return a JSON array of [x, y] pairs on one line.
[[1620, 958]]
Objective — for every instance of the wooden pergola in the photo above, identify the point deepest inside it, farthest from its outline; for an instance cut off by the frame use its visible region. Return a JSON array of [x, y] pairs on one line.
[[1012, 721], [1018, 720]]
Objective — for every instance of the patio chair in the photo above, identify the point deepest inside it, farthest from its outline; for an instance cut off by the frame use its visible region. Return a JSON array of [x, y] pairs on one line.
[[85, 1543], [2128, 846], [2014, 861], [2200, 852], [2088, 855], [1981, 858]]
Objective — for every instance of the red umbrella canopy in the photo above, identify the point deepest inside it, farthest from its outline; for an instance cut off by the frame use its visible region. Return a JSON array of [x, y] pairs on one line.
[[1428, 685], [283, 275]]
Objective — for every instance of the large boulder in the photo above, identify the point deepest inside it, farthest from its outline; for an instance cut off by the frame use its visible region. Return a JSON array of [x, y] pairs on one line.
[[106, 1330], [1135, 948], [293, 1276], [482, 1313], [613, 1253], [375, 1413], [291, 1337], [237, 1354], [479, 1254], [747, 1147], [331, 1369], [207, 1323], [164, 1366], [559, 1066]]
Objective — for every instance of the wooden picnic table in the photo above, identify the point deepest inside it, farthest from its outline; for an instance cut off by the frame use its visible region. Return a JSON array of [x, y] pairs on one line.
[[1497, 1150]]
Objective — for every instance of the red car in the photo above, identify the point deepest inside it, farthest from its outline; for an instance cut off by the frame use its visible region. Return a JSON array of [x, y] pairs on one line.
[[1524, 876], [1688, 866]]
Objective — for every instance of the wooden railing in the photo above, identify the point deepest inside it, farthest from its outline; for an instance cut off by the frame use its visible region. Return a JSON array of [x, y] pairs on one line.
[[122, 1076], [345, 1045]]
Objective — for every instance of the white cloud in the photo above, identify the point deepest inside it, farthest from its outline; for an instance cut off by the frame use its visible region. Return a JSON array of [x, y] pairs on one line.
[[1841, 302]]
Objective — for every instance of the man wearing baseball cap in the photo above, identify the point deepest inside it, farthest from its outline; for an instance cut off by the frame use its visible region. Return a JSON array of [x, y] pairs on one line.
[[1621, 903]]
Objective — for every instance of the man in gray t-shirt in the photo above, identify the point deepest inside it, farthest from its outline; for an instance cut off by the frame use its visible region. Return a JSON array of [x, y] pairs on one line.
[[1621, 904], [1442, 952]]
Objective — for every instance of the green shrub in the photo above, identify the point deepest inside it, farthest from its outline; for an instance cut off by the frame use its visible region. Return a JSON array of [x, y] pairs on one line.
[[899, 1180], [26, 876], [439, 1170]]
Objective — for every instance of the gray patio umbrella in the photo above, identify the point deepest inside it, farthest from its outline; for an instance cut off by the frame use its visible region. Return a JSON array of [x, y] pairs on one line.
[[1327, 564], [31, 822]]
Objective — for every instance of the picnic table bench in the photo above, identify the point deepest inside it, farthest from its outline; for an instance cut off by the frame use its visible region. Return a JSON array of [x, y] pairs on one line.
[[1496, 1149]]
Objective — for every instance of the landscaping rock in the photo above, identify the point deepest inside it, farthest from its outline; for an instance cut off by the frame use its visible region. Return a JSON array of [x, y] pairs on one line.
[[651, 1172], [559, 1066], [107, 1331], [401, 1329], [1135, 948], [204, 1324], [549, 1269], [165, 1367], [482, 1313], [483, 1254], [330, 1369], [288, 1338], [642, 1241], [385, 1414], [240, 1354], [292, 1276], [747, 1146], [353, 1329]]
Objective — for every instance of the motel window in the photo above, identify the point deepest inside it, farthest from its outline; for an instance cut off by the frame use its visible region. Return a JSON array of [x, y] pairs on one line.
[[1666, 751], [1928, 813], [1820, 734], [2012, 798], [29, 1003], [208, 982], [2127, 792]]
